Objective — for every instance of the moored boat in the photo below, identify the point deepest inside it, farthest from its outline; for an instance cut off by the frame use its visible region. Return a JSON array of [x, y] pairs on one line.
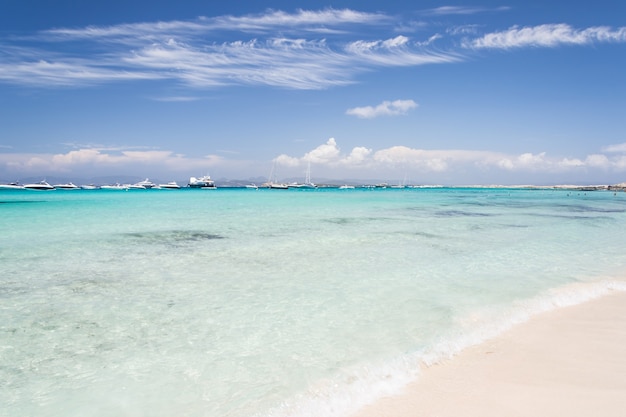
[[276, 186], [39, 186], [172, 185], [301, 185], [205, 182], [147, 184], [66, 186], [117, 186], [11, 186], [307, 181]]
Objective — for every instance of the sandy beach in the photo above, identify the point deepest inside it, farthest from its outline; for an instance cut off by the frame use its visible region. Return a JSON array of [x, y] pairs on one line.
[[568, 362]]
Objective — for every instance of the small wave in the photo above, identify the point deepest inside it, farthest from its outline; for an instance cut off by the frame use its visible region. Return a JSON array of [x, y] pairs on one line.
[[354, 389]]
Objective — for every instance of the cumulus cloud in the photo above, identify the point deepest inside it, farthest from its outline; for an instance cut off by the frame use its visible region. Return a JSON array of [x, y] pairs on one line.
[[453, 162], [597, 161], [357, 157], [286, 160], [104, 160], [386, 108], [326, 153], [328, 157]]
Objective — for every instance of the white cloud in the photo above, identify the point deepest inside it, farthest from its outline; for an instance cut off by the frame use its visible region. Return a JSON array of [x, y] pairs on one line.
[[549, 35], [357, 157], [621, 148], [281, 53], [286, 160], [104, 161], [430, 40], [274, 48], [460, 10], [386, 108], [597, 161], [458, 165], [326, 153], [257, 23], [571, 163]]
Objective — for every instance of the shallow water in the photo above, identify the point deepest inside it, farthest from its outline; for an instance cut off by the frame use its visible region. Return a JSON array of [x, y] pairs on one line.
[[275, 303]]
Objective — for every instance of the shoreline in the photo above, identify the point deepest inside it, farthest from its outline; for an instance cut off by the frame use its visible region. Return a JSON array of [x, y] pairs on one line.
[[569, 361]]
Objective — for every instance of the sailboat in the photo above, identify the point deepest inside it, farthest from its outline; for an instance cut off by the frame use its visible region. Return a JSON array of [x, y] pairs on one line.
[[307, 180], [271, 181], [401, 184]]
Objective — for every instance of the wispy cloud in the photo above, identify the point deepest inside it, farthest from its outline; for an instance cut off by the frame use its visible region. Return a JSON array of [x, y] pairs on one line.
[[461, 10], [547, 36], [306, 49], [176, 99], [269, 22], [209, 52], [619, 148], [386, 108]]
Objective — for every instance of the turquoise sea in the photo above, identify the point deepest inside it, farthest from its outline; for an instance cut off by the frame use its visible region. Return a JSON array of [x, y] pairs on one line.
[[243, 303]]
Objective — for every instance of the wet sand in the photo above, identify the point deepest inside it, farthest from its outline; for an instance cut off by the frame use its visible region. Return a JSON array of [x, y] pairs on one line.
[[568, 362]]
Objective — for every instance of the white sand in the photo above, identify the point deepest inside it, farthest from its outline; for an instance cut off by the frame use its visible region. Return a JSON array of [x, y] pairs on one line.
[[566, 363]]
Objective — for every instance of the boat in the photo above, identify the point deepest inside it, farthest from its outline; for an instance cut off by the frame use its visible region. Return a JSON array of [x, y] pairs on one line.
[[172, 185], [89, 187], [66, 186], [11, 186], [205, 182], [252, 186], [346, 187], [39, 186], [307, 181], [117, 186], [272, 182], [277, 186], [301, 185], [147, 184]]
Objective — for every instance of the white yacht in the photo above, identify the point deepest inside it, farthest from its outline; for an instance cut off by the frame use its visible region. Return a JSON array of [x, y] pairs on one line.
[[11, 186], [66, 186], [117, 186], [147, 184], [205, 182], [40, 186], [301, 185], [172, 185], [276, 185]]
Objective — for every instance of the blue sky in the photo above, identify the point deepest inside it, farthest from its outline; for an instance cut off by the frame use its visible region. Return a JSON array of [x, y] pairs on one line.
[[491, 92]]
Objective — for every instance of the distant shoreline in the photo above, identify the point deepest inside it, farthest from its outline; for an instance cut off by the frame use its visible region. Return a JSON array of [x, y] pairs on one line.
[[236, 184]]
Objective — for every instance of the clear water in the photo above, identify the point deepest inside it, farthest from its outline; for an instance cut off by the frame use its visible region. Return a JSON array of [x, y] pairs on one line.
[[246, 303]]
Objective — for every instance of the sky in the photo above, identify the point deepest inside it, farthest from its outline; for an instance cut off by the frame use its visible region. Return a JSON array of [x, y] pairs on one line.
[[423, 92]]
